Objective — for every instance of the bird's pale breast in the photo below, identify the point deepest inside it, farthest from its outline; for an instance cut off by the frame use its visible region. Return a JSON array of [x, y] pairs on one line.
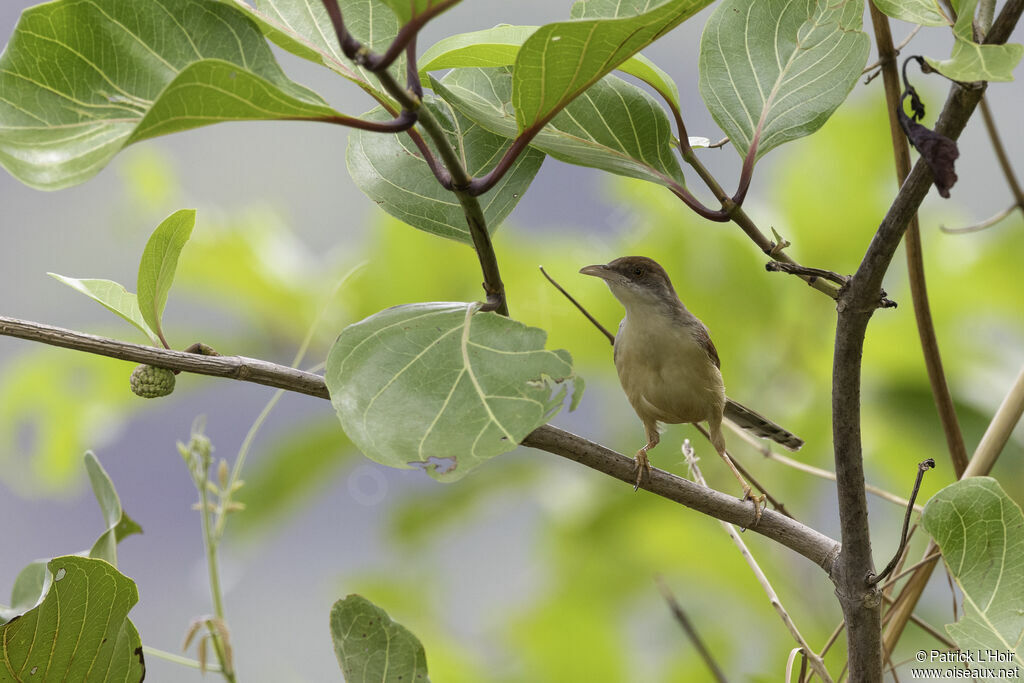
[[666, 374]]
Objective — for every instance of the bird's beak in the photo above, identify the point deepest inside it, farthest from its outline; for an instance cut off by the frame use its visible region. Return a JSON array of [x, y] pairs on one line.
[[600, 270]]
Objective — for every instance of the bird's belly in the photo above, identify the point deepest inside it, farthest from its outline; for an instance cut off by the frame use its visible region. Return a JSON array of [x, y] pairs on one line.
[[682, 385]]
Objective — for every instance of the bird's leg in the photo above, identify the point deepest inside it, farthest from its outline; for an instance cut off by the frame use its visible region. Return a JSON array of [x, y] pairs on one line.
[[643, 465], [718, 441]]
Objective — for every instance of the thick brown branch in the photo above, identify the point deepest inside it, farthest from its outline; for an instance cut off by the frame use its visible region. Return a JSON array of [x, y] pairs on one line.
[[812, 544]]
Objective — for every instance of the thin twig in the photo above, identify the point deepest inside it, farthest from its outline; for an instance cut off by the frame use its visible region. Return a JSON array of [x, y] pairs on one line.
[[721, 143], [929, 629], [892, 580], [1001, 155], [691, 632], [771, 499], [577, 304], [898, 49], [922, 467], [815, 661], [983, 225], [767, 452]]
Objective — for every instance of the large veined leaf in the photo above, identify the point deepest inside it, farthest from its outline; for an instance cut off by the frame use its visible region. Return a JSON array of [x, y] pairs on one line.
[[80, 631], [561, 60], [981, 533], [159, 262], [303, 28], [500, 45], [614, 125], [923, 12], [390, 170], [112, 296], [971, 61], [371, 648], [443, 386], [80, 79], [775, 70]]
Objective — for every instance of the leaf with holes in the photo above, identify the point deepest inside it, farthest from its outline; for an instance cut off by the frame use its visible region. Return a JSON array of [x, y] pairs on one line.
[[443, 386], [500, 45], [158, 263], [112, 296], [80, 631], [971, 61], [981, 533], [561, 60], [775, 70], [371, 648], [80, 80], [614, 126], [391, 171]]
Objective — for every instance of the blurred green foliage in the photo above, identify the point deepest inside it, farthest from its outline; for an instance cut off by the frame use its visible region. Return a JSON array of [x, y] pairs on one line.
[[588, 610]]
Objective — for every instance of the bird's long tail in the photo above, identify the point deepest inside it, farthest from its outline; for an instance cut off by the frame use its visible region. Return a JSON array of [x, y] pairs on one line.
[[761, 426]]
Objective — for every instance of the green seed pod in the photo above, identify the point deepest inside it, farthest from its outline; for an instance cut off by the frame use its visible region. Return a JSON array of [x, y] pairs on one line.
[[149, 381]]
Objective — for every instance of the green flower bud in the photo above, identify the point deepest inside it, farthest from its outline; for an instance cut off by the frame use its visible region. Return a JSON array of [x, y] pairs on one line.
[[149, 381]]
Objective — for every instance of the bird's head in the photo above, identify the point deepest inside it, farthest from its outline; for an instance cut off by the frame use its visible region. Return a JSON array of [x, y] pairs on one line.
[[637, 281]]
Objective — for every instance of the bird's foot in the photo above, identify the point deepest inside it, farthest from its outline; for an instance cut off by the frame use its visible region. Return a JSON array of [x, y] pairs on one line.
[[759, 504], [643, 466]]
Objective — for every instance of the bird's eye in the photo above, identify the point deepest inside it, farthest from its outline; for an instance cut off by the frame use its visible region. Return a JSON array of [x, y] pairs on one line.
[[638, 271]]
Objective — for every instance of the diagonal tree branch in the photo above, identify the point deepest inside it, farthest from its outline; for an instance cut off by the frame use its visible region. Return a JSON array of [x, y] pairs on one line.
[[815, 546]]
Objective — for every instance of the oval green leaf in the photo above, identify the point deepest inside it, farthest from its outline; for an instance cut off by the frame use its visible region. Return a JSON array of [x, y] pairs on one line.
[[500, 45], [923, 12], [981, 533], [390, 170], [114, 297], [158, 263], [561, 60], [80, 631], [614, 126], [444, 387], [78, 78], [371, 648], [119, 525], [775, 70], [973, 62]]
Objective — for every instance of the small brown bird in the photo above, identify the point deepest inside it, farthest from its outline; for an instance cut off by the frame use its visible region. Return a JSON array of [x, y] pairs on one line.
[[668, 366]]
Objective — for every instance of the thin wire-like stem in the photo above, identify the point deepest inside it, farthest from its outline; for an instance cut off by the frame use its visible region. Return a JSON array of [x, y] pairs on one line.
[[690, 631], [922, 467], [578, 305], [983, 225], [815, 661], [767, 452], [903, 43], [151, 651]]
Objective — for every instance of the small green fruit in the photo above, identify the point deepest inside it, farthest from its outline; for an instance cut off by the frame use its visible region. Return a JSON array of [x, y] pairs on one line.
[[149, 381]]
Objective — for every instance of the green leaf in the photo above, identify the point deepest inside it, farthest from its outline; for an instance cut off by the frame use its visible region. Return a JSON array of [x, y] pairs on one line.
[[614, 126], [119, 525], [407, 10], [80, 631], [499, 46], [981, 533], [561, 60], [441, 386], [775, 70], [158, 263], [923, 12], [78, 78], [113, 296], [973, 62], [390, 170], [29, 588], [303, 28], [371, 648]]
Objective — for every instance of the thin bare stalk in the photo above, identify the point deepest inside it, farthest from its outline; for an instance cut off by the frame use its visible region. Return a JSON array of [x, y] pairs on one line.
[[816, 664], [690, 631]]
